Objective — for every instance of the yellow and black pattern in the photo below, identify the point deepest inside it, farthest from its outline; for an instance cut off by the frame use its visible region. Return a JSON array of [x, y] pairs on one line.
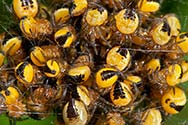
[[95, 62]]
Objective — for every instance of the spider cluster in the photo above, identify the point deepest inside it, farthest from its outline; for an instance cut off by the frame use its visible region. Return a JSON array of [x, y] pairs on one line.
[[97, 62]]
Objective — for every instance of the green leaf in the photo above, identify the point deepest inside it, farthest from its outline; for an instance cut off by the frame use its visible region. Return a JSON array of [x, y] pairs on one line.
[[180, 8], [4, 120], [6, 17]]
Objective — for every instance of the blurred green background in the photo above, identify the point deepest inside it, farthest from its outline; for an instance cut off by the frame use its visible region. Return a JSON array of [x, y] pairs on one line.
[[179, 7]]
